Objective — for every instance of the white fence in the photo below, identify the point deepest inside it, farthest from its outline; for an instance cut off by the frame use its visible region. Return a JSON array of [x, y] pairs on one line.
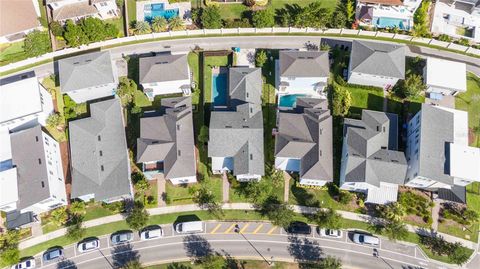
[[241, 31]]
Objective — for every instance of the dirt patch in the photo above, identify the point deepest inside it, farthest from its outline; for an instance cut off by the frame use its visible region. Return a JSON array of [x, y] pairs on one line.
[[415, 219], [415, 191], [64, 150]]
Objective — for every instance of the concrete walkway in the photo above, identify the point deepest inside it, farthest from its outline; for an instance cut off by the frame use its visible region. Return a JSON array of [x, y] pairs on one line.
[[161, 190], [225, 188], [435, 215], [228, 206], [286, 189]]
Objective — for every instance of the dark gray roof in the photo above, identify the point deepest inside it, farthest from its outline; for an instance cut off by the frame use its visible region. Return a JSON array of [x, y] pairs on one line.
[[15, 219], [304, 64], [437, 129], [169, 138], [366, 13], [28, 155], [306, 134], [164, 67], [371, 145], [99, 158], [457, 194], [238, 132], [381, 59], [86, 70]]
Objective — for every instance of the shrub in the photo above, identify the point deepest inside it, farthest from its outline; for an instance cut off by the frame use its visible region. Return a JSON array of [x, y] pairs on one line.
[[345, 197], [211, 18], [445, 38], [261, 58], [264, 18], [243, 23], [342, 100], [463, 41], [56, 28], [37, 43]]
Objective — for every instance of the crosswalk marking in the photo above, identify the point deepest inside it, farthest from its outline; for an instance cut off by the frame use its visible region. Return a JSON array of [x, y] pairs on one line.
[[216, 228], [271, 230], [258, 229], [230, 228]]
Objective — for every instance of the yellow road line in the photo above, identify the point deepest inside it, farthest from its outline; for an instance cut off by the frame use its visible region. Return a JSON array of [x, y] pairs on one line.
[[230, 228], [216, 228], [244, 228], [271, 230], [258, 229]]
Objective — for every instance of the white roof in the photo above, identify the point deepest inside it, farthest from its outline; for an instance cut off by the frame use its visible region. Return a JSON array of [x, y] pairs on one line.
[[446, 74], [464, 162], [5, 146], [19, 99], [8, 186], [387, 193]]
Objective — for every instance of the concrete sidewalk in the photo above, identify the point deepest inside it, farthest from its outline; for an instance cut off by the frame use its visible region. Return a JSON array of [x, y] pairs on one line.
[[228, 206]]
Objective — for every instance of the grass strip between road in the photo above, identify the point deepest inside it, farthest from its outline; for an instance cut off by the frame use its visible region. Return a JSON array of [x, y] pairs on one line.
[[255, 34], [230, 215]]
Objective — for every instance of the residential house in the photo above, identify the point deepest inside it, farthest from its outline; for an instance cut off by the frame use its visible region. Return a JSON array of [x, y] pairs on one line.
[[88, 76], [443, 77], [438, 155], [31, 172], [236, 133], [62, 10], [18, 112], [165, 74], [376, 64], [303, 142], [457, 18], [386, 13], [166, 142], [371, 163], [301, 74], [18, 18], [100, 165]]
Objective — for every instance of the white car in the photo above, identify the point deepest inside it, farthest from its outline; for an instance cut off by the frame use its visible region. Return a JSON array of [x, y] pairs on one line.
[[151, 233], [88, 245], [331, 233], [365, 239], [122, 237], [25, 264]]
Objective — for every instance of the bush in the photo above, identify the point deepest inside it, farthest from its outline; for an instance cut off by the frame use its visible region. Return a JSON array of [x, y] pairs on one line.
[[261, 58], [115, 207], [345, 197], [56, 28], [211, 17], [463, 41], [420, 19], [416, 204], [444, 38], [243, 23], [342, 100], [37, 43], [263, 18]]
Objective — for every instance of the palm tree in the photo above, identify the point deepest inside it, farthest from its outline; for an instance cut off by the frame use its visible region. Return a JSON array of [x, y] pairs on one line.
[[393, 212], [59, 216], [78, 208], [159, 24], [141, 27], [176, 24], [395, 230]]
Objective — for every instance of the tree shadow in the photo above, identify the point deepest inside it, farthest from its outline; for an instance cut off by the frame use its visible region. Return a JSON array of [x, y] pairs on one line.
[[304, 250], [196, 247], [122, 254], [66, 264], [304, 197]]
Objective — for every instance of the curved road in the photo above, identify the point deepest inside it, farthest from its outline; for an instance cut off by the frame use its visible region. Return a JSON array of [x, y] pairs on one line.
[[256, 240], [271, 42]]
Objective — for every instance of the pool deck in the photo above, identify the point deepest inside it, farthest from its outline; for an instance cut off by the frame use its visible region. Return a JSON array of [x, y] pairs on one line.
[[184, 9]]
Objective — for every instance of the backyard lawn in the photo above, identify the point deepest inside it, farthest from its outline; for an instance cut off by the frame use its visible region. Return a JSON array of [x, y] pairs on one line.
[[363, 98], [10, 53], [132, 11], [470, 101], [180, 194], [57, 97]]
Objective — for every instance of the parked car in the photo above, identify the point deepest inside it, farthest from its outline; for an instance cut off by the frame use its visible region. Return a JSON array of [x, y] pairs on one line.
[[28, 263], [298, 227], [151, 233], [53, 254], [331, 233], [365, 239], [121, 237], [189, 227], [88, 245]]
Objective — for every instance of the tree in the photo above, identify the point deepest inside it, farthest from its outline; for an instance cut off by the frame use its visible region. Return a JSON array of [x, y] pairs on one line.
[[9, 253], [342, 100], [159, 24], [213, 261], [59, 216], [420, 19], [94, 28], [328, 218], [142, 186], [280, 214], [211, 17], [392, 212], [78, 208], [75, 230], [312, 15], [263, 18], [141, 27], [204, 197], [338, 19], [413, 86], [176, 24], [126, 90], [37, 43], [133, 264], [324, 47], [56, 28], [395, 230], [350, 10], [459, 254], [137, 217], [329, 262], [74, 34], [249, 3], [54, 120], [261, 58]]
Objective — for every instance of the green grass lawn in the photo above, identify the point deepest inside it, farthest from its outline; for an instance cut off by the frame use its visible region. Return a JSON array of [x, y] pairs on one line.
[[455, 229], [363, 98], [119, 23], [330, 4], [194, 63], [132, 11], [95, 211], [13, 52], [179, 194], [43, 13], [470, 101], [49, 84]]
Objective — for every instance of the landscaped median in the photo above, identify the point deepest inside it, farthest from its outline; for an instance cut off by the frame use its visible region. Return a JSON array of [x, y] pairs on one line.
[[233, 212]]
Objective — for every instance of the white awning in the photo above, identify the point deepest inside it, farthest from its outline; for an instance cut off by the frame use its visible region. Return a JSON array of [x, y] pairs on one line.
[[387, 193]]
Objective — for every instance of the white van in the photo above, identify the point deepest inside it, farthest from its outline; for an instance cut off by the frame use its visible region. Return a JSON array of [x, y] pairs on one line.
[[364, 239], [189, 227]]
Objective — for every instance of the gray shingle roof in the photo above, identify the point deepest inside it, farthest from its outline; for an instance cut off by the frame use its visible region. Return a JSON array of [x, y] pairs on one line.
[[238, 132], [371, 145], [164, 67], [381, 59], [304, 64], [28, 155], [99, 158], [169, 138], [86, 70], [457, 194], [306, 134], [74, 10]]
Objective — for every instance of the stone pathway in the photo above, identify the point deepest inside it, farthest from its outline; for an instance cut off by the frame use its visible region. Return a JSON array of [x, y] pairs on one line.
[[36, 229], [435, 215], [225, 188], [286, 188], [161, 190], [385, 100]]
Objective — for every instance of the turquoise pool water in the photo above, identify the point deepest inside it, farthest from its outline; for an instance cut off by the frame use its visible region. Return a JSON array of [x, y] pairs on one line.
[[158, 10], [384, 22], [219, 89], [289, 100]]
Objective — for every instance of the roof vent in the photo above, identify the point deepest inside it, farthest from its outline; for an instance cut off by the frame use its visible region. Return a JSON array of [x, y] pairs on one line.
[[245, 126], [87, 61], [155, 142], [161, 63], [377, 158], [228, 127], [394, 161], [75, 63]]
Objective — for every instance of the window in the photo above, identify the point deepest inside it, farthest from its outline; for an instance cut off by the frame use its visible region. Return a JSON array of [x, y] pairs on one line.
[[101, 168], [50, 172], [36, 138], [384, 129], [43, 184], [179, 153], [99, 138], [39, 161], [251, 157], [378, 128], [178, 127], [101, 153]]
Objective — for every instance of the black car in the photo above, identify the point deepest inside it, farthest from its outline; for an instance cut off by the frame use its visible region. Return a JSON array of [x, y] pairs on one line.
[[299, 227]]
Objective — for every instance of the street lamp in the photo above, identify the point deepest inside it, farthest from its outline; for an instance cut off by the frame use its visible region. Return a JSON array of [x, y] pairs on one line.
[[237, 230]]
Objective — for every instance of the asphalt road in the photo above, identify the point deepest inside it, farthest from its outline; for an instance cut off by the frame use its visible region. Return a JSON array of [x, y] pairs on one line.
[[270, 42], [256, 240]]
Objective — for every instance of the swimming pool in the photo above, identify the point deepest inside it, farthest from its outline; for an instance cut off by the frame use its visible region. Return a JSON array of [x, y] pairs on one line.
[[158, 10], [219, 89], [384, 22], [289, 100]]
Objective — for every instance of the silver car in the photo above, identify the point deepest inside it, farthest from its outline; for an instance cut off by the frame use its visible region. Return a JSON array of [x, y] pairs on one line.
[[122, 237], [88, 245], [151, 233], [25, 264], [53, 254]]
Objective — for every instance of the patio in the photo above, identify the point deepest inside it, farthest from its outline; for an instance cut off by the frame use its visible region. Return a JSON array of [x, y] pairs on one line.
[[184, 9]]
